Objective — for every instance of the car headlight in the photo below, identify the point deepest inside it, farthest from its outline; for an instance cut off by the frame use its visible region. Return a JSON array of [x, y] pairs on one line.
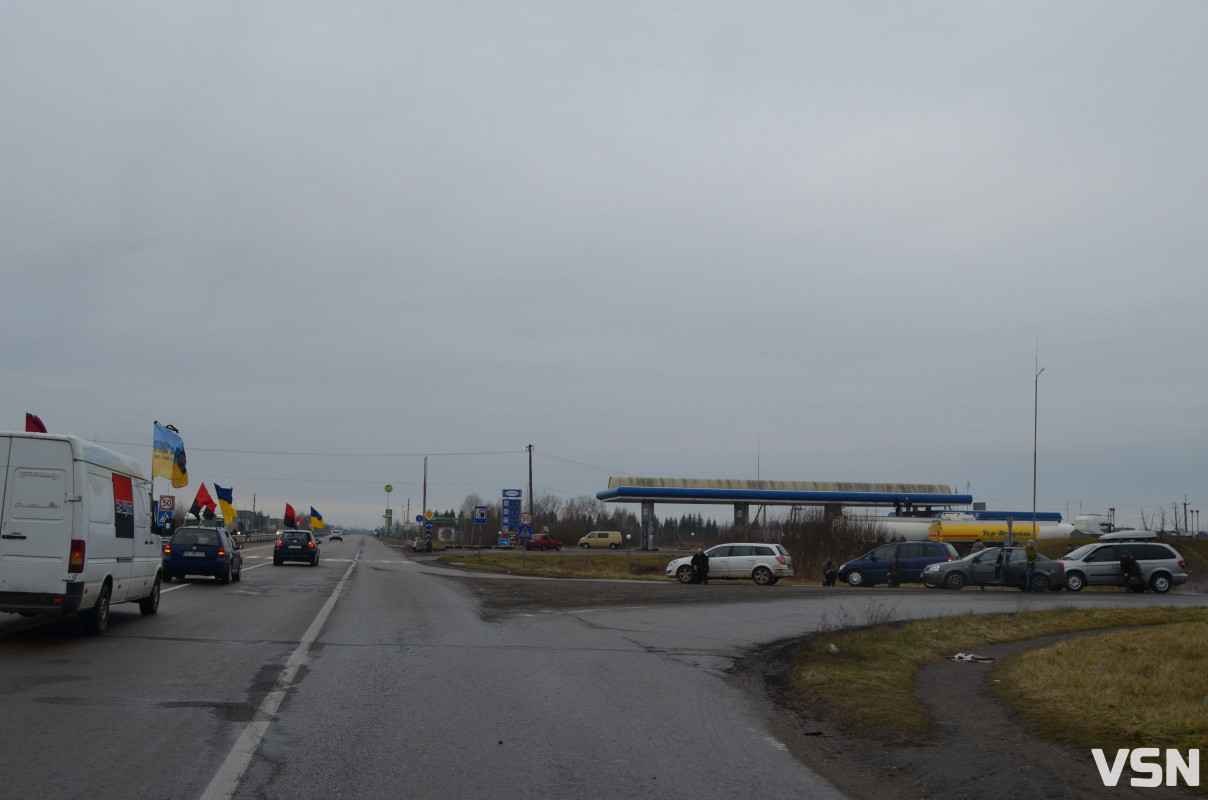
[[843, 566], [931, 568]]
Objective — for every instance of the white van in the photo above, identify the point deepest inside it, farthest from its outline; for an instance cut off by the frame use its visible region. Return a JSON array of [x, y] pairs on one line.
[[75, 529]]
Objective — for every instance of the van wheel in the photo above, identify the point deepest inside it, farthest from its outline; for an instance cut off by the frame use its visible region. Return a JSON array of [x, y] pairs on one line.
[[855, 578], [762, 576], [96, 619], [150, 604], [612, 546], [1074, 581], [1160, 583], [585, 546]]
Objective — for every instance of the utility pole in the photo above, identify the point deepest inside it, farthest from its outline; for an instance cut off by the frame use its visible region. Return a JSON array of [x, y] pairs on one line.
[[424, 508], [1186, 527], [530, 452], [1035, 409]]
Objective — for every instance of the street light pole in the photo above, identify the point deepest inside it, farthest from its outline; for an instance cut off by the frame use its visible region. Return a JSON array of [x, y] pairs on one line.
[[1035, 410]]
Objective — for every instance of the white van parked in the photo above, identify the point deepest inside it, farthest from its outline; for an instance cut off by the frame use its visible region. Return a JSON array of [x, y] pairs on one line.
[[75, 530]]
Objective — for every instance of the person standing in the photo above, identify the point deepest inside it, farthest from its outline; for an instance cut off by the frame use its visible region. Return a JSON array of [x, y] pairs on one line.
[[1030, 567], [700, 567], [895, 573], [1132, 572]]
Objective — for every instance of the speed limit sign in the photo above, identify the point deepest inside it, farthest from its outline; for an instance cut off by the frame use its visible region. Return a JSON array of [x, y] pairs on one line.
[[526, 518], [167, 502]]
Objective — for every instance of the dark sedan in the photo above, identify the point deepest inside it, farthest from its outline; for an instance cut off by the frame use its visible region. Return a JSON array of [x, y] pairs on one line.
[[996, 566], [202, 551], [296, 546]]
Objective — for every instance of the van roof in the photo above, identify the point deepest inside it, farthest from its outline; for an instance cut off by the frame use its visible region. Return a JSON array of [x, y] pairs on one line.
[[89, 452]]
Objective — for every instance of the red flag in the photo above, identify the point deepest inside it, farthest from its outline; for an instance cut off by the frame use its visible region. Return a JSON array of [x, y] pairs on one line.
[[203, 500], [291, 520], [33, 424]]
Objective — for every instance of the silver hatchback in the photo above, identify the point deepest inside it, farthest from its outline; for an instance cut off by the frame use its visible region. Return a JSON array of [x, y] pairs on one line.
[[1098, 564]]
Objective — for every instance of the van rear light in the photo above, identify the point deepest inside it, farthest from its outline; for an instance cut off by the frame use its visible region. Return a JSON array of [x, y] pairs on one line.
[[1182, 564], [75, 562]]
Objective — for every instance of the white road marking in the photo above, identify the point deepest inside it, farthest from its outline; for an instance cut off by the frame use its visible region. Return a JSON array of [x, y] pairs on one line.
[[226, 780]]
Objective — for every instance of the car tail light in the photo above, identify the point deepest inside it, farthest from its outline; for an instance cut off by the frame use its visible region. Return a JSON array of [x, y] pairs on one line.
[[311, 545], [167, 549], [75, 563], [278, 544], [221, 552], [780, 559]]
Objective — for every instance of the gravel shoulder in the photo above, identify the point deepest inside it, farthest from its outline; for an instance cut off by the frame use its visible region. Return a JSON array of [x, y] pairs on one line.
[[976, 748]]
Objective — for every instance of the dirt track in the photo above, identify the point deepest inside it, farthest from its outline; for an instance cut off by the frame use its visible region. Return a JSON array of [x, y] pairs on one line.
[[976, 748]]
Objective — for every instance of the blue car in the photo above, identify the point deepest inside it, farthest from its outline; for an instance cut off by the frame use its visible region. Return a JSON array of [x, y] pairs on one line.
[[872, 567], [202, 551]]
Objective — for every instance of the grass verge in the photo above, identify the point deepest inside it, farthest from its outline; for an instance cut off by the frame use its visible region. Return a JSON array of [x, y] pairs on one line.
[[865, 678], [615, 566], [1122, 689]]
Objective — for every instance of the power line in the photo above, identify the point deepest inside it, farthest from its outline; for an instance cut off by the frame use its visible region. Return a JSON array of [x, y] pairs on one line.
[[319, 454]]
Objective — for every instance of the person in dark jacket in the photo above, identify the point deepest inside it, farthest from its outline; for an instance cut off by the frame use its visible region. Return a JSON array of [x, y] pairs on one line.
[[895, 573], [1132, 572], [700, 567], [829, 571]]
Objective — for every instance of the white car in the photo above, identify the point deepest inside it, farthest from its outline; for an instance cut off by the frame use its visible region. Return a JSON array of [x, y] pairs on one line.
[[763, 563], [336, 535]]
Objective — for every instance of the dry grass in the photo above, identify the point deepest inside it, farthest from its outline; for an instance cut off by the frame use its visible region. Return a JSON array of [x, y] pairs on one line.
[[868, 680], [1125, 689], [614, 566]]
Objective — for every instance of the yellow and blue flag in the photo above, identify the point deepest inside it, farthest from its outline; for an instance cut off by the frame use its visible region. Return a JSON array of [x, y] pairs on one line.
[[316, 519], [168, 456], [226, 501]]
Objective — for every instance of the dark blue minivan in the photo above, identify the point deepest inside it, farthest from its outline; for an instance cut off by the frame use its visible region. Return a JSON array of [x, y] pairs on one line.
[[871, 568]]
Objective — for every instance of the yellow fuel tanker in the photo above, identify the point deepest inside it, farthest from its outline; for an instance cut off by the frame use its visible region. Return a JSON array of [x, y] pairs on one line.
[[987, 530]]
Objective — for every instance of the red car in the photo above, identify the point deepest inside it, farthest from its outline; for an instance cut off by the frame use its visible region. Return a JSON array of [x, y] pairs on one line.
[[542, 541]]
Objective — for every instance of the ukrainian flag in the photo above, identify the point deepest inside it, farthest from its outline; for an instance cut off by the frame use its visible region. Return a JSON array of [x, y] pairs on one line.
[[168, 457], [316, 519], [226, 500]]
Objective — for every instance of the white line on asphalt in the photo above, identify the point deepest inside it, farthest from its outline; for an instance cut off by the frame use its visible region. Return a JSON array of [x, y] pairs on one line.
[[226, 780]]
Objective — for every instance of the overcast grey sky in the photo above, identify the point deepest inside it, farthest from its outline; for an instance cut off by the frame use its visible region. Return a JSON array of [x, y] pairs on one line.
[[808, 241]]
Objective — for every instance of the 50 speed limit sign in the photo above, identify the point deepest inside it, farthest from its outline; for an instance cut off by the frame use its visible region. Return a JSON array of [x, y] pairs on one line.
[[167, 502], [526, 518]]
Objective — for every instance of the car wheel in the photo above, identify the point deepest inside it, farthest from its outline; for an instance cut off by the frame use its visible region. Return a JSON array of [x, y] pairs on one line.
[[762, 576], [314, 562], [96, 619], [1074, 581], [559, 547], [1040, 583], [855, 578], [238, 574], [954, 580], [167, 577], [150, 604], [276, 562], [684, 574], [225, 577], [1160, 583]]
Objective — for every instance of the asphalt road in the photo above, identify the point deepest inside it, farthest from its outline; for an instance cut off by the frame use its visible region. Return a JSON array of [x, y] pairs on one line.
[[376, 675]]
